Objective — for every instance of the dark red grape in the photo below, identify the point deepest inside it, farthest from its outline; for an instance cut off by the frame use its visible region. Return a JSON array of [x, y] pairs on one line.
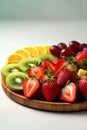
[[62, 45], [75, 46], [85, 48], [66, 52], [84, 45], [55, 50]]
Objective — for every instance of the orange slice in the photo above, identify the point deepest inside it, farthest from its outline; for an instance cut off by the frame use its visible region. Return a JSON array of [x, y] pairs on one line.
[[14, 58], [28, 52], [41, 49], [33, 51], [24, 53], [47, 48]]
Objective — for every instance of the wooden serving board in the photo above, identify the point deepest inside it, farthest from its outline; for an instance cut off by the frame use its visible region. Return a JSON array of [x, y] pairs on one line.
[[44, 105]]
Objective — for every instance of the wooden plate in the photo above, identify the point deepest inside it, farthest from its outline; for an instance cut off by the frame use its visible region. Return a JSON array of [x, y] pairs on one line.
[[44, 105]]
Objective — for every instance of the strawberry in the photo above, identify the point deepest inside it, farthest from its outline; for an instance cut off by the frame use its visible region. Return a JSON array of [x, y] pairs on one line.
[[56, 61], [68, 93], [60, 64], [37, 71], [73, 77], [30, 86], [64, 76], [50, 90], [81, 56], [83, 87], [38, 94], [63, 64], [48, 64]]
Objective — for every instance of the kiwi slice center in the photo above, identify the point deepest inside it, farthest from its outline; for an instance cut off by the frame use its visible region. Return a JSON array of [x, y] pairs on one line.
[[18, 81], [29, 65], [14, 69]]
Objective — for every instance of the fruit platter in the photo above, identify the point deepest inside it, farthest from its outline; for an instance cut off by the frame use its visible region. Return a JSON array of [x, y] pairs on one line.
[[48, 77]]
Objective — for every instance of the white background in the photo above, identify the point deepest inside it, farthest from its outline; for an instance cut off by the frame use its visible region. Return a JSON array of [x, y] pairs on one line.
[[16, 35]]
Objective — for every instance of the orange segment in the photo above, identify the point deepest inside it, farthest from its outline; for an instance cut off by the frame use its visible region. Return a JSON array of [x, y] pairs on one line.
[[28, 52], [47, 48], [23, 52], [14, 58], [41, 49], [33, 51]]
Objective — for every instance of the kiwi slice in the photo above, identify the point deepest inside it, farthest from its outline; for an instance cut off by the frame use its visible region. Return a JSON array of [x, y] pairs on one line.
[[26, 64], [9, 68], [14, 80], [46, 56]]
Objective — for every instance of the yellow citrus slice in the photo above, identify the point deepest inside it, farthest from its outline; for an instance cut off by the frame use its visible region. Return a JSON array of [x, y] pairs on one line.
[[47, 48], [28, 52], [41, 49], [14, 58], [24, 53], [33, 51]]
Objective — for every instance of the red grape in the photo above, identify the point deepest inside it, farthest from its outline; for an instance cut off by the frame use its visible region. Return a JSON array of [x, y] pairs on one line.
[[66, 52], [55, 50], [75, 46], [62, 45], [85, 48], [84, 45]]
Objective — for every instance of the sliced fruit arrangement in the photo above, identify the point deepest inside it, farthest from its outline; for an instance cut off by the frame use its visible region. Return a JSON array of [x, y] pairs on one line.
[[15, 80], [68, 93], [28, 52], [50, 90], [14, 58], [23, 52], [41, 49], [9, 68], [50, 72], [33, 51], [30, 87], [14, 67]]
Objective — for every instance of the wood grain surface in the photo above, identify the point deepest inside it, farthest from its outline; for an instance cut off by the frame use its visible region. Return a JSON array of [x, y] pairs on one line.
[[44, 105]]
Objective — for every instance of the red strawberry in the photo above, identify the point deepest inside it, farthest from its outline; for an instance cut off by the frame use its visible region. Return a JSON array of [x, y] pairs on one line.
[[48, 64], [64, 76], [83, 87], [30, 86], [68, 93], [73, 77], [61, 64], [37, 71], [56, 61], [38, 94], [50, 90], [81, 56]]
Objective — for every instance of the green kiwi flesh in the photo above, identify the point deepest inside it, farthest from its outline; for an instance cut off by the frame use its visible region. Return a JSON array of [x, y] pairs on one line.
[[26, 64], [9, 68], [15, 79], [46, 56]]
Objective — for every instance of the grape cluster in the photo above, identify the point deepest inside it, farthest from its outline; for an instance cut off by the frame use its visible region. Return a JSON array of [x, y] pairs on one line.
[[61, 49]]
